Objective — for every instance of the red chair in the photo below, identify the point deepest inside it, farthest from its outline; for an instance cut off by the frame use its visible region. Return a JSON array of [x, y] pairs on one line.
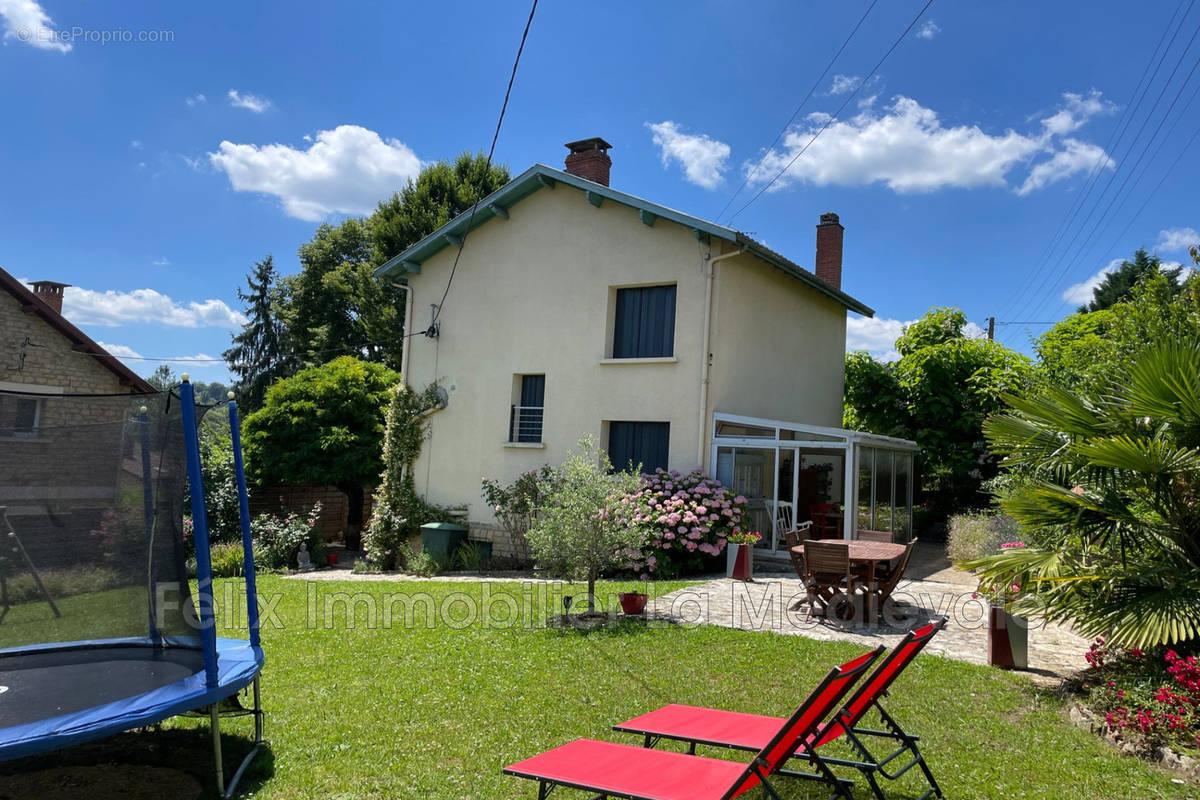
[[618, 770], [740, 731], [827, 520]]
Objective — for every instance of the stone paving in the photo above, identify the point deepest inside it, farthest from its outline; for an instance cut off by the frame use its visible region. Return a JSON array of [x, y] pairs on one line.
[[765, 604]]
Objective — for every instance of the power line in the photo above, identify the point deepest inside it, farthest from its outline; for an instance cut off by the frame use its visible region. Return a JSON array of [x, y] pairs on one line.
[[837, 113], [1157, 54], [795, 113], [1072, 259], [486, 169]]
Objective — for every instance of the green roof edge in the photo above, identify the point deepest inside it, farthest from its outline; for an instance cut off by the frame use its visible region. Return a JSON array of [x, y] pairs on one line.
[[529, 182]]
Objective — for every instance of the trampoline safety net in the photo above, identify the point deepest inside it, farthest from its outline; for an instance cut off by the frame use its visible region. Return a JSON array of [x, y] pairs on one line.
[[92, 543]]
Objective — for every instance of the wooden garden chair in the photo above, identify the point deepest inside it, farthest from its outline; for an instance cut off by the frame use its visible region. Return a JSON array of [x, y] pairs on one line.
[[886, 582], [795, 538], [875, 536], [829, 575]]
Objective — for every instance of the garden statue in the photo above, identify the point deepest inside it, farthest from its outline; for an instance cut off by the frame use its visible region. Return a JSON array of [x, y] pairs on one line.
[[303, 559]]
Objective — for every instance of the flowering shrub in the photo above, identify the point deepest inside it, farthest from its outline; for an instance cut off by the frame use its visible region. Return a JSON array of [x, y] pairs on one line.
[[517, 505], [277, 540], [690, 516], [975, 535], [744, 537], [1150, 701]]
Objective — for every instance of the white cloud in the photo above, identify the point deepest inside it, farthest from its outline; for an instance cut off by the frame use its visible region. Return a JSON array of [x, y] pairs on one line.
[[112, 308], [345, 171], [1075, 156], [703, 159], [136, 144], [1178, 240], [26, 21], [878, 336], [928, 30], [844, 83], [1080, 293], [120, 350], [196, 99], [250, 102], [179, 364], [906, 147], [161, 262], [1077, 110]]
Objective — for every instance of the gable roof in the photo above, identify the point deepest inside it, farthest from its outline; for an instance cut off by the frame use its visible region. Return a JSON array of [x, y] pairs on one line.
[[540, 176], [32, 304]]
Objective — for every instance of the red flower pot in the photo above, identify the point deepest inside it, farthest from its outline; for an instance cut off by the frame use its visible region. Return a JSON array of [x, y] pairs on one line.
[[332, 558], [1008, 639], [633, 602]]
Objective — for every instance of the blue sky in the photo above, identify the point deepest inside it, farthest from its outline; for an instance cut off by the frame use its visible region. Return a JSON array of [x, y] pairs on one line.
[[152, 169]]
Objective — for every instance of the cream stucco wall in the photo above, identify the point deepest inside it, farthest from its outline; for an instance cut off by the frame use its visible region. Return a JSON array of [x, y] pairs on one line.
[[533, 295]]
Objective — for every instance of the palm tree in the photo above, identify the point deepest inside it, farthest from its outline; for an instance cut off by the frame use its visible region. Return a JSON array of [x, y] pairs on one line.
[[1112, 505]]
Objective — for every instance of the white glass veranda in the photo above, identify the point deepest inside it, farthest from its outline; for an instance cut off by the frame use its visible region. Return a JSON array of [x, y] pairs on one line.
[[789, 472]]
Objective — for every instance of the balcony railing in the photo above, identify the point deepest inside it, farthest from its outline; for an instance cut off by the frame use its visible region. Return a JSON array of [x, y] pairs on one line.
[[525, 424]]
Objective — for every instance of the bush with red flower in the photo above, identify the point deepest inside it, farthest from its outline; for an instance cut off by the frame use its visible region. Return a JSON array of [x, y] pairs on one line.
[[690, 516], [1149, 699]]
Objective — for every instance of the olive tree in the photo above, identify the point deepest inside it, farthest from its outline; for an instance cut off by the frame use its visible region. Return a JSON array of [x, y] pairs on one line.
[[586, 525]]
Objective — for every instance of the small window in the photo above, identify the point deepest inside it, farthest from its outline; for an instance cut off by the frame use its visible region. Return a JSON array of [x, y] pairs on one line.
[[19, 417], [644, 322], [633, 443], [525, 420]]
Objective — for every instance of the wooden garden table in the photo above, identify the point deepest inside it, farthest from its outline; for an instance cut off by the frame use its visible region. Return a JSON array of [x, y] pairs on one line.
[[867, 556]]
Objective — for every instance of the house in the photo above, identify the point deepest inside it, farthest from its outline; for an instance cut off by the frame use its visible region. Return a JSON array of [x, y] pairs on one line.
[[677, 342], [43, 353]]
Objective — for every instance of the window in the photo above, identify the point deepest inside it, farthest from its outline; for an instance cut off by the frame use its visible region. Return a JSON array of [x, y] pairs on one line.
[[19, 417], [525, 421], [644, 322], [633, 443]]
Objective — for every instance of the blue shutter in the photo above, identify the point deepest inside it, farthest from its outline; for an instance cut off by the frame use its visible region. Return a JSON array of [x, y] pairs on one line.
[[633, 443], [533, 398], [644, 322]]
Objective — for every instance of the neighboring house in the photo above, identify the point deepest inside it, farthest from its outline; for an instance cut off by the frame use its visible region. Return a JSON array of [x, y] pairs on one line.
[[42, 353], [678, 343]]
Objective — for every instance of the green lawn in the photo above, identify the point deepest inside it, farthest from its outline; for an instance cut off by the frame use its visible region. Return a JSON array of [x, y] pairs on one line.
[[434, 712]]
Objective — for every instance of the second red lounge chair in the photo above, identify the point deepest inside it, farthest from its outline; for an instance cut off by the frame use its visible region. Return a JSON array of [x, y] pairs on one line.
[[694, 725], [638, 773]]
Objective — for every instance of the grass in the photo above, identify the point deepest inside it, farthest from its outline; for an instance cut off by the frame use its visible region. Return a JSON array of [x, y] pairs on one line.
[[423, 710]]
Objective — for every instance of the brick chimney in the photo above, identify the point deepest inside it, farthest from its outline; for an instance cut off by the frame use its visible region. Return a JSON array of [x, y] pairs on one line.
[[589, 159], [50, 293], [829, 250]]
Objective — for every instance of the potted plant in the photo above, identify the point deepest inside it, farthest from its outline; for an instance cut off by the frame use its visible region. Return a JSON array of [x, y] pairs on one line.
[[739, 556], [1008, 633], [633, 603]]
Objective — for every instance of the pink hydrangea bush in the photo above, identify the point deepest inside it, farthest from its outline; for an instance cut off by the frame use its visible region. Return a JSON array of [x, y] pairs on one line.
[[691, 517]]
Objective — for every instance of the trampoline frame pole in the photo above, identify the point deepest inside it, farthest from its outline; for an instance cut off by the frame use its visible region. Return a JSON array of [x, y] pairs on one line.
[[204, 577], [214, 724], [148, 502], [239, 469]]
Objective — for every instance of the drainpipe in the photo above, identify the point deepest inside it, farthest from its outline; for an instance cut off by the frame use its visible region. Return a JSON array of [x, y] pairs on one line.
[[709, 278], [408, 307]]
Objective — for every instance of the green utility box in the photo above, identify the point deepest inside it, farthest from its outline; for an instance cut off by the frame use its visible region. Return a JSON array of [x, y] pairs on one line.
[[441, 539]]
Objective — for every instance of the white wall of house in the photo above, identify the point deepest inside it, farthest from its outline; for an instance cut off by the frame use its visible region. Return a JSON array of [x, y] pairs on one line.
[[535, 294]]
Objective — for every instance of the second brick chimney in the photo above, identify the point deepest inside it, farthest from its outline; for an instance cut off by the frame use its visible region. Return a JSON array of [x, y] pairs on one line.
[[829, 250], [50, 293], [589, 159]]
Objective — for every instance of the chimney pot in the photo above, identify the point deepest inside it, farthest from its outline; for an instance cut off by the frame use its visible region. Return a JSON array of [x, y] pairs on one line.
[[589, 159], [50, 293], [829, 249]]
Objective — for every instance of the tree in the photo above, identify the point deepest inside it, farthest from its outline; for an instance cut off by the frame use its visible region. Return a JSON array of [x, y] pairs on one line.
[[1112, 509], [938, 394], [440, 193], [334, 305], [324, 426], [586, 524], [257, 356], [1118, 285]]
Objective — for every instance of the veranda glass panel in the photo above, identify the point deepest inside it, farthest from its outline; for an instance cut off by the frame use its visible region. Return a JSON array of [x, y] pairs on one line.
[[750, 471], [884, 507], [866, 471], [903, 502]]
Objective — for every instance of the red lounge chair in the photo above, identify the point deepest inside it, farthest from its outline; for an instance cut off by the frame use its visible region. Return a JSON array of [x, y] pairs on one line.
[[619, 770], [749, 731]]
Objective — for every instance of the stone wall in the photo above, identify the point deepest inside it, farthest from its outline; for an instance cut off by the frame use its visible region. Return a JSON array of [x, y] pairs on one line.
[[504, 544]]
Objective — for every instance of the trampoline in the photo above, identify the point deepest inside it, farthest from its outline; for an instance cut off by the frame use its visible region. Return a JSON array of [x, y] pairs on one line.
[[101, 630]]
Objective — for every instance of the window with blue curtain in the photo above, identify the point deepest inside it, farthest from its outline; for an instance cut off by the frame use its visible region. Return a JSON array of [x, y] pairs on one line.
[[525, 424], [644, 323], [633, 443]]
